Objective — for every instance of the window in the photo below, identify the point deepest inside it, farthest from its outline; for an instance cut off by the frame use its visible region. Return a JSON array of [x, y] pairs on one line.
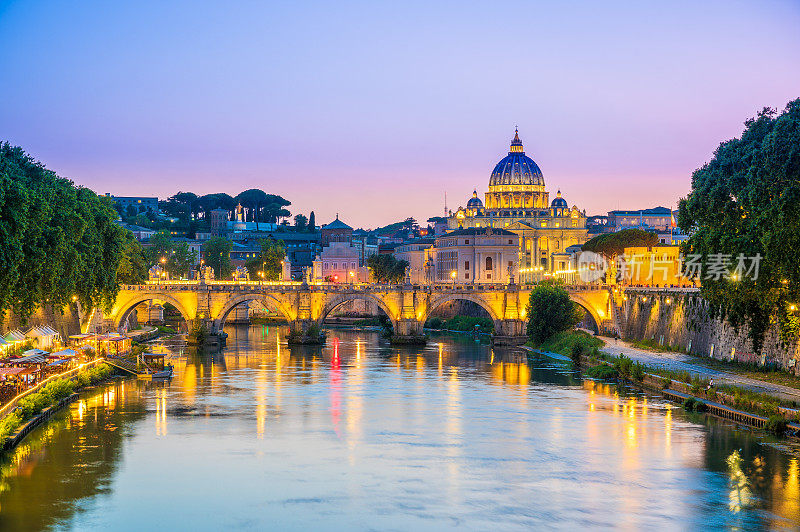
[[511, 265], [466, 265], [489, 265], [466, 275], [466, 242], [510, 241]]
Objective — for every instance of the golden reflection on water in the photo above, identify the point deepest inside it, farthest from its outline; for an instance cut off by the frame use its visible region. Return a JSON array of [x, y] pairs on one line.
[[634, 425]]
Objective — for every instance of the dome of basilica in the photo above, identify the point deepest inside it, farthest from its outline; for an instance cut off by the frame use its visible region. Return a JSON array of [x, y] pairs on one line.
[[474, 202], [559, 202], [516, 168]]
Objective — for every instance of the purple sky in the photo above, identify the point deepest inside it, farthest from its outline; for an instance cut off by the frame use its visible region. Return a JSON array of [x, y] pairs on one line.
[[374, 110]]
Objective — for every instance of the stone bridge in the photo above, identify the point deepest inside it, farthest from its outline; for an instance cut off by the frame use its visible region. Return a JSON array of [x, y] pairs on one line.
[[304, 305]]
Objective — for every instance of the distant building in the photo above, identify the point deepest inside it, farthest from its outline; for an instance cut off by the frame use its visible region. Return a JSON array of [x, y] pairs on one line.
[[417, 254], [141, 203], [475, 255], [336, 231], [652, 266], [518, 201], [339, 262], [140, 233], [659, 218], [219, 223]]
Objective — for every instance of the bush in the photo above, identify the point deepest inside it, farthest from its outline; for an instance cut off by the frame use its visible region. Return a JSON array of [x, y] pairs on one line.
[[550, 311], [624, 366], [605, 373], [58, 390], [9, 425], [637, 371], [562, 343], [776, 425], [434, 323], [694, 405], [576, 352]]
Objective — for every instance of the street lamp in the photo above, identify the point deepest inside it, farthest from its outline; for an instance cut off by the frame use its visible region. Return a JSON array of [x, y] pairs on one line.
[[352, 275], [453, 276], [261, 275]]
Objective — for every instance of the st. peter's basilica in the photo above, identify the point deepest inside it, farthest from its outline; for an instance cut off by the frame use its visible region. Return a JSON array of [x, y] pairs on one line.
[[518, 201]]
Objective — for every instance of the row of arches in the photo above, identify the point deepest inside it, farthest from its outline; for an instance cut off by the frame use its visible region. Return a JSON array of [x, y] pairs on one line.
[[275, 305]]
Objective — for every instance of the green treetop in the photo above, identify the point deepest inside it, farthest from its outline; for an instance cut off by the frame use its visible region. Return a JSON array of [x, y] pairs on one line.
[[746, 202]]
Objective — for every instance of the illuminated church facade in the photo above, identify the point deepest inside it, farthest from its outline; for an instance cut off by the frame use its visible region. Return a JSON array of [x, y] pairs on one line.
[[518, 201]]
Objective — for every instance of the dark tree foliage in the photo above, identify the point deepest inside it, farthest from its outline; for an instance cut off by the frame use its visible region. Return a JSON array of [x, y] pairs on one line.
[[217, 254], [263, 207], [59, 241], [218, 200], [312, 222], [300, 222], [746, 201], [133, 264], [174, 255], [611, 245], [387, 269], [550, 311], [268, 260]]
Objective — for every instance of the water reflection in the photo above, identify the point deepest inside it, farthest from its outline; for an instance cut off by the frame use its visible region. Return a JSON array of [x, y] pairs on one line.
[[359, 434]]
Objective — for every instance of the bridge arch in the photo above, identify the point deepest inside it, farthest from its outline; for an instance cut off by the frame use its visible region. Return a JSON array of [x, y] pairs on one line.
[[589, 308], [335, 302], [131, 303], [267, 299], [438, 301]]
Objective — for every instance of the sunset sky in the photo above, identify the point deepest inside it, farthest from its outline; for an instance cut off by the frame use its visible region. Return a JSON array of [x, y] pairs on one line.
[[375, 109]]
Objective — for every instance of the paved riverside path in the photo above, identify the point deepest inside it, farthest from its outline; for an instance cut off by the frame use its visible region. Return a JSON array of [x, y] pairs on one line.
[[682, 362]]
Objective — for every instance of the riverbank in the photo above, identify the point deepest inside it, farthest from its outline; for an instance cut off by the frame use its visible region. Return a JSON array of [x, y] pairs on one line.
[[696, 394], [38, 404]]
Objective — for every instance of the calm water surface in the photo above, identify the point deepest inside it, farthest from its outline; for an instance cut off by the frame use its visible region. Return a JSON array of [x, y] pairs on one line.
[[360, 435]]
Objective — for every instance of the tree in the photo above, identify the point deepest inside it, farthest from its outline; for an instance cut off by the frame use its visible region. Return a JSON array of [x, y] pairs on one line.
[[218, 200], [611, 245], [745, 203], [300, 222], [217, 254], [131, 211], [188, 200], [550, 311], [59, 241], [387, 269], [269, 260], [174, 256], [133, 265], [312, 222], [263, 206]]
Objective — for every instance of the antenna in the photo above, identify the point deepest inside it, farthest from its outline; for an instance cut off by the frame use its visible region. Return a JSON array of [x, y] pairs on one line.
[[445, 204]]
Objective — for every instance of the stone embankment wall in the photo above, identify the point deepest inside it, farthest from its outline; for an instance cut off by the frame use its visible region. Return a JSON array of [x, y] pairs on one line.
[[66, 320], [682, 320]]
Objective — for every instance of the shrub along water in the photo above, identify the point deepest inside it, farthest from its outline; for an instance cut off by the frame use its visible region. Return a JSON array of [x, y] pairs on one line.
[[49, 395], [563, 342]]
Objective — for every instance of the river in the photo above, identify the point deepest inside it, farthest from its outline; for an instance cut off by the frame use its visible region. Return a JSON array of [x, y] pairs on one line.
[[361, 435]]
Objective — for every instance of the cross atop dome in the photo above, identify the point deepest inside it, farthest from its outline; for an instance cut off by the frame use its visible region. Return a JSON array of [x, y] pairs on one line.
[[516, 144]]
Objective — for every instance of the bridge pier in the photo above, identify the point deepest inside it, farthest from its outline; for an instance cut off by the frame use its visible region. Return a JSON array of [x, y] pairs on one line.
[[509, 332], [305, 332], [409, 332]]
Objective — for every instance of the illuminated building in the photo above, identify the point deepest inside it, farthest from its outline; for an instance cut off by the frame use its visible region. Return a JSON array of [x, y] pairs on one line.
[[474, 255], [518, 201], [652, 266]]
